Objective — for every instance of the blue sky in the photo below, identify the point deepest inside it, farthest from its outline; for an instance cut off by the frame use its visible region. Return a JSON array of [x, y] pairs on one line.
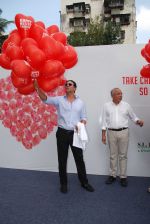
[[47, 11], [143, 20]]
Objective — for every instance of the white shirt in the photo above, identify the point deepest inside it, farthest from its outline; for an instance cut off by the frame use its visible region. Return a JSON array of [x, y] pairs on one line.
[[117, 116]]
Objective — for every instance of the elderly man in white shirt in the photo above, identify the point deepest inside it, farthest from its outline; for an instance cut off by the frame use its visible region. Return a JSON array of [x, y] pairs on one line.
[[114, 120]]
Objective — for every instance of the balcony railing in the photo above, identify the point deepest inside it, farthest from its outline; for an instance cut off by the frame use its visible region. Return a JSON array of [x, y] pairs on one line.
[[116, 4], [122, 19], [107, 10], [80, 7], [79, 22]]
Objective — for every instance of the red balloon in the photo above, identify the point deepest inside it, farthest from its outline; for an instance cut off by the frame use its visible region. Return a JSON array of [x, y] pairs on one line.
[[49, 47], [4, 61], [18, 81], [52, 68], [14, 31], [40, 23], [24, 24], [143, 52], [35, 57], [13, 39], [70, 64], [60, 50], [14, 52], [28, 89], [28, 41], [37, 32], [49, 84], [21, 68], [70, 56], [52, 29], [147, 48], [5, 44], [61, 37], [145, 71], [147, 57]]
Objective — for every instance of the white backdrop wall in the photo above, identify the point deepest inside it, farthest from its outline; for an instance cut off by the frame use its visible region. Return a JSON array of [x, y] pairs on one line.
[[100, 68]]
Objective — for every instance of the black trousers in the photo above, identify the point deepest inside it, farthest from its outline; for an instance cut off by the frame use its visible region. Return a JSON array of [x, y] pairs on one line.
[[64, 140]]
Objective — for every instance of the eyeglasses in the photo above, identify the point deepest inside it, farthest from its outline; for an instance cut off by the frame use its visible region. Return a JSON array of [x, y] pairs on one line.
[[68, 84]]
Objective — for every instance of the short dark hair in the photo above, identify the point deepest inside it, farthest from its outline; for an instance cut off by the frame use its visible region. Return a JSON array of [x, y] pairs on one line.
[[74, 83]]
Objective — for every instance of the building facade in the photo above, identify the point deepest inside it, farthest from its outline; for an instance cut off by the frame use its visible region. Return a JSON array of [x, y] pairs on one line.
[[75, 15]]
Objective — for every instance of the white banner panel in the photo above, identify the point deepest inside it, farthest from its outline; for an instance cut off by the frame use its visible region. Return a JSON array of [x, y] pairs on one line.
[[100, 68]]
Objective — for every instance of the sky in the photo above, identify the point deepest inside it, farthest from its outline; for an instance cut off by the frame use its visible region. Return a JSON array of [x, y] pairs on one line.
[[48, 11], [143, 20]]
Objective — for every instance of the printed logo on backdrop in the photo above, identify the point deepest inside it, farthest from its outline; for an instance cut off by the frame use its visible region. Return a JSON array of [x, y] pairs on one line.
[[144, 84], [143, 146]]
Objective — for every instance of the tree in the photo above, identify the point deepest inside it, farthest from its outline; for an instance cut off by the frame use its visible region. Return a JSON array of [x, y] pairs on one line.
[[77, 38], [98, 33], [3, 26], [112, 33]]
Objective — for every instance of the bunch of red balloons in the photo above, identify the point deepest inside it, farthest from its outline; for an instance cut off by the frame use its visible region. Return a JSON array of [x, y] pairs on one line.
[[34, 52], [145, 52]]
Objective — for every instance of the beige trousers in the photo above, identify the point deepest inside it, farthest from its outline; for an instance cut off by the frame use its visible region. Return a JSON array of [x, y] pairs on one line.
[[118, 145]]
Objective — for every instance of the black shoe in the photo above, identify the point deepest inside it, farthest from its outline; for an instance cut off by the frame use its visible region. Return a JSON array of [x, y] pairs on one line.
[[123, 182], [88, 187], [63, 189], [110, 180], [148, 189]]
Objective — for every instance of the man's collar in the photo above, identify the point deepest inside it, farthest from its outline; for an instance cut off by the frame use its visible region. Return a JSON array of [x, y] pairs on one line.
[[65, 96]]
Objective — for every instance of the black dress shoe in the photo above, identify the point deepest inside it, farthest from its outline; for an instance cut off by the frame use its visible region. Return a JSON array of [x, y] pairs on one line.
[[63, 189], [110, 180], [88, 187], [123, 182], [148, 189]]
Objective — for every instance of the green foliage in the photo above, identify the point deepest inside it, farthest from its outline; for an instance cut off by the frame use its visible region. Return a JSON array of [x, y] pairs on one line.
[[77, 38], [3, 26], [98, 33], [112, 33]]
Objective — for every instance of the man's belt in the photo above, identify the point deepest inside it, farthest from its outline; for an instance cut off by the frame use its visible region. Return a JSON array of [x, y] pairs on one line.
[[119, 129], [65, 130]]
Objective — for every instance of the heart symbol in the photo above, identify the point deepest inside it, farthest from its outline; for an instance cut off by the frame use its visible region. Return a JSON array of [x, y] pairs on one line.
[[24, 24], [27, 117]]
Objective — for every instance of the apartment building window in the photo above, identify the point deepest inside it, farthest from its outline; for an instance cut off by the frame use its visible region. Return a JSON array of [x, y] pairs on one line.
[[122, 19], [125, 19], [69, 8], [87, 8], [122, 34], [79, 22], [107, 9], [76, 7], [110, 4], [79, 7], [116, 4], [76, 22]]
